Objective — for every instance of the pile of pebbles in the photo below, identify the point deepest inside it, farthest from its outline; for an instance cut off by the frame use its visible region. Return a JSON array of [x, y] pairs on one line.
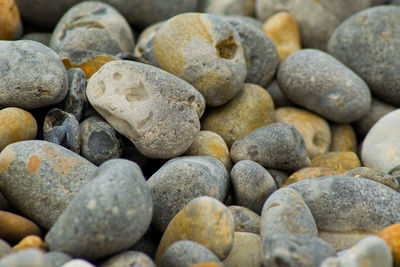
[[199, 133]]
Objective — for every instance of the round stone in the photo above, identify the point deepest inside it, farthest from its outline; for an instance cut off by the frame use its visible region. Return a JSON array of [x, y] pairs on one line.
[[205, 51], [340, 161], [9, 20], [30, 241], [27, 257], [310, 172], [13, 228], [368, 173], [129, 258], [391, 235], [33, 75], [246, 251], [228, 7], [343, 138], [245, 220]]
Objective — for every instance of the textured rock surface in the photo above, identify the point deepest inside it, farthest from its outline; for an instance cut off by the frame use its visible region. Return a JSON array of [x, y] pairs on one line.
[[129, 258], [280, 100], [340, 161], [245, 220], [13, 227], [368, 173], [246, 251], [310, 172], [343, 138]]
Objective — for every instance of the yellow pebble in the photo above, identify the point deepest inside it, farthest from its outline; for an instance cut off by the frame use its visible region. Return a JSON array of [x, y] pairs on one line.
[[391, 235], [310, 172], [9, 19], [31, 241], [340, 161], [343, 138]]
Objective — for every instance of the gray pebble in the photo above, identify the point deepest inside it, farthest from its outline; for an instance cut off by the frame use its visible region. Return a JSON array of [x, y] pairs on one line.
[[41, 37], [148, 243], [5, 248], [245, 220], [129, 258], [279, 98], [76, 101], [368, 173], [27, 257], [245, 19], [279, 176], [227, 7], [57, 258]]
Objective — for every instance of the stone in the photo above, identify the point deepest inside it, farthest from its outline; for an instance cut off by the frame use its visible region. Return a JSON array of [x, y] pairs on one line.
[[99, 141], [30, 241], [62, 128], [27, 257], [92, 226], [78, 263], [206, 264], [5, 248], [245, 220], [229, 7], [366, 42], [314, 129], [318, 82], [182, 179], [57, 258], [46, 174], [252, 185], [368, 173], [13, 228], [41, 37], [250, 109], [279, 99], [148, 243], [283, 30], [279, 176], [246, 251], [144, 48], [129, 258], [4, 204], [206, 52], [33, 75], [260, 53], [381, 147], [157, 111], [391, 236], [310, 172], [283, 249], [95, 26], [245, 19], [343, 138], [204, 220], [352, 209], [340, 161], [208, 143], [285, 211], [16, 125], [395, 2], [9, 20], [185, 253], [277, 145]]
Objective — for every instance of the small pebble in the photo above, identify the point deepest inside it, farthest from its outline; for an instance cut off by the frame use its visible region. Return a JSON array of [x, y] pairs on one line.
[[129, 258], [144, 48], [391, 235], [13, 228], [343, 138], [368, 173], [246, 251], [9, 20], [310, 172], [340, 161], [245, 220], [31, 241]]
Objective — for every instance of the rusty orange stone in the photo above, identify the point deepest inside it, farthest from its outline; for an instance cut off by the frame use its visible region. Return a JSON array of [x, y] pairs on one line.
[[340, 161], [310, 172], [13, 227], [31, 241], [9, 19], [391, 235]]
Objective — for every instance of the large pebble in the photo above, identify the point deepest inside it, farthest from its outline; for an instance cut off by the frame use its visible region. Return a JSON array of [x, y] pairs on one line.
[[317, 81], [129, 258], [32, 75], [277, 145], [27, 257], [367, 43], [157, 111], [246, 251], [381, 147], [205, 51], [182, 179], [40, 178], [13, 228], [245, 220]]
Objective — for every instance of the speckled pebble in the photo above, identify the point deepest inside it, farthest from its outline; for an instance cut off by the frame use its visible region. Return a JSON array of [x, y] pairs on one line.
[[245, 220], [340, 161], [129, 258], [368, 173], [310, 172]]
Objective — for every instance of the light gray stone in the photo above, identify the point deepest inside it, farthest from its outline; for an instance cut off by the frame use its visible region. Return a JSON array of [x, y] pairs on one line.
[[27, 257], [129, 258]]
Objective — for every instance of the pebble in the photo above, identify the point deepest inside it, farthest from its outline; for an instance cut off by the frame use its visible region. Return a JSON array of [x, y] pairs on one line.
[[9, 20], [252, 185], [313, 128], [279, 176], [182, 179], [95, 26], [92, 226], [343, 138], [13, 228], [318, 82], [78, 263], [245, 19], [57, 258], [381, 147], [283, 30], [391, 236], [204, 220], [157, 111], [129, 258], [30, 241], [395, 2], [340, 161], [250, 109], [210, 144], [148, 243], [27, 257], [367, 42], [62, 128], [310, 172], [246, 251], [5, 248], [353, 208], [206, 52], [41, 37], [185, 253], [368, 173], [33, 75], [99, 140], [279, 98], [16, 125], [293, 250], [40, 178], [227, 7], [277, 145], [144, 48], [245, 220], [285, 211]]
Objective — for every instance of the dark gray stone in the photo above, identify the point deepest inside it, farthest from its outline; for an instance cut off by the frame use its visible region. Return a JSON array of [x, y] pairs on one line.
[[182, 179], [4, 204], [252, 185], [32, 75], [368, 43], [148, 243], [108, 215], [280, 100], [62, 128], [245, 220], [317, 81], [395, 2], [76, 101], [99, 141], [57, 258], [277, 145], [129, 258], [380, 177], [279, 176], [27, 257], [293, 250]]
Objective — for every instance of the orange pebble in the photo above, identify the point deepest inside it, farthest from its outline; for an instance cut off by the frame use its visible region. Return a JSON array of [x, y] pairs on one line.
[[31, 241], [391, 235], [9, 19]]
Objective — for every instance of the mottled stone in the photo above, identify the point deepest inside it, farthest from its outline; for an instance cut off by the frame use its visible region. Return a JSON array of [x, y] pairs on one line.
[[343, 138], [204, 220], [182, 179], [56, 258], [246, 251], [95, 26], [340, 161], [5, 248], [206, 52], [30, 241], [99, 141], [228, 7], [9, 20], [279, 176], [144, 48], [310, 172], [318, 82], [62, 128], [16, 125], [41, 37], [94, 227], [27, 257], [367, 43], [280, 100], [129, 258], [250, 109], [252, 185], [13, 227], [391, 235], [46, 174], [368, 173], [381, 147], [277, 145], [157, 111], [33, 75], [245, 220]]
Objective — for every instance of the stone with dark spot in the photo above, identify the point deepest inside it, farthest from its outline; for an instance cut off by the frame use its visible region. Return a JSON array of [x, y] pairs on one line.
[[129, 258], [245, 219]]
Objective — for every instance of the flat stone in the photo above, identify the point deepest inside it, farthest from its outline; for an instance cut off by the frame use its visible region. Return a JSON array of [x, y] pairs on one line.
[[129, 258], [9, 20], [343, 138], [309, 173], [30, 241], [13, 228], [246, 251], [57, 258], [245, 220], [94, 227], [391, 236], [368, 173], [27, 257], [340, 161]]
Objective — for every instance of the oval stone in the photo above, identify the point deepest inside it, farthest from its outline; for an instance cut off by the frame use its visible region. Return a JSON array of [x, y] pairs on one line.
[[27, 257], [13, 228], [129, 258], [246, 251], [10, 21]]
